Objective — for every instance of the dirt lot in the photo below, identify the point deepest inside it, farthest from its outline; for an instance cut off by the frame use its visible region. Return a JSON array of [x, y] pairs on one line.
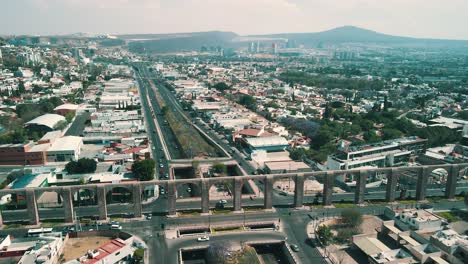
[[77, 247], [344, 254]]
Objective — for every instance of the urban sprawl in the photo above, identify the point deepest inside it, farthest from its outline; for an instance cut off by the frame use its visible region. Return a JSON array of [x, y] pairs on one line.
[[266, 152]]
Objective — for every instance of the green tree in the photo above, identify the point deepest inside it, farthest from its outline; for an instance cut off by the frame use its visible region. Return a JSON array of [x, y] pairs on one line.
[[164, 110], [21, 88], [351, 217], [323, 137], [370, 136], [337, 104], [138, 255], [297, 154], [144, 169], [391, 133], [345, 234], [324, 234], [69, 116], [220, 168], [248, 101], [61, 125], [196, 167], [83, 165], [221, 86], [466, 198], [328, 112]]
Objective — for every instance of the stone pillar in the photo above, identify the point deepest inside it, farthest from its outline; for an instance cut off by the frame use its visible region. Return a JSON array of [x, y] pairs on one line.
[[67, 205], [33, 213], [101, 201], [451, 184], [171, 197], [421, 186], [328, 180], [1, 219], [237, 194], [205, 195], [360, 186], [268, 192], [136, 193], [392, 180], [299, 190]]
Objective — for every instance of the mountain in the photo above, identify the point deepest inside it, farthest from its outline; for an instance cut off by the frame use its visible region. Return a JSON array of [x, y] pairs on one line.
[[164, 43], [351, 34]]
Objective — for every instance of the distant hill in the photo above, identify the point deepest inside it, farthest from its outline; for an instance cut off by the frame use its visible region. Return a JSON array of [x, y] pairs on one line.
[[194, 41], [164, 43], [350, 34]]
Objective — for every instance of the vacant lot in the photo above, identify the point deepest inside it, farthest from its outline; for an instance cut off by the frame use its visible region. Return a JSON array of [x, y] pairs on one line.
[[77, 247]]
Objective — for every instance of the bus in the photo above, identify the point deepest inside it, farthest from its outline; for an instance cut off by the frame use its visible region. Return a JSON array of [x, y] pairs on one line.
[[39, 231]]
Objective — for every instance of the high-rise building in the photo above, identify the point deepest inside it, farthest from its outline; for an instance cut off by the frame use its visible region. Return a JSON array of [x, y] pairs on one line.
[[274, 48], [251, 47], [290, 44]]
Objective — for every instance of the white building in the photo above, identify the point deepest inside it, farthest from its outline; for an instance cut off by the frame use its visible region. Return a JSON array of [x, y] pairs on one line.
[[382, 154]]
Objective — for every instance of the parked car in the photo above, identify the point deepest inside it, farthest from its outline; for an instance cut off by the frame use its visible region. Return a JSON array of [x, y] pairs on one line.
[[203, 239], [294, 248]]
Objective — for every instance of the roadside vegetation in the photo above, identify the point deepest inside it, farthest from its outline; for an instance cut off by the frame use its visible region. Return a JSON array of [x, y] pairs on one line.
[[342, 231], [143, 170], [191, 142]]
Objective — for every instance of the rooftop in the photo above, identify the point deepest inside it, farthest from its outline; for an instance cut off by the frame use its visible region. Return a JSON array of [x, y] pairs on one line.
[[370, 245], [386, 143], [67, 107], [106, 250], [287, 165], [48, 120], [66, 143], [267, 141]]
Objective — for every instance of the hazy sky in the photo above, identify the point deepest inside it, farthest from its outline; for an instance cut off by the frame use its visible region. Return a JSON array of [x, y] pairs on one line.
[[417, 18]]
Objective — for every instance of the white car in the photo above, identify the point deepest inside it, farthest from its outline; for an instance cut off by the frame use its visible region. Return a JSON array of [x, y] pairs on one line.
[[203, 239], [116, 227], [222, 201]]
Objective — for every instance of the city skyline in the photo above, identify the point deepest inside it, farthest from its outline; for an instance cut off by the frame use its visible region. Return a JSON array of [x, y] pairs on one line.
[[413, 19]]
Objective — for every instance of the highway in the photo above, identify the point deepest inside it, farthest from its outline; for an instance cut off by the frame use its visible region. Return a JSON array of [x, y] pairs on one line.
[[246, 166], [169, 97], [152, 127]]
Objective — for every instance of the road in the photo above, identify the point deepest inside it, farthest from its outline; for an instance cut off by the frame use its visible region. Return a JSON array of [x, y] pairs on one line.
[[169, 97], [246, 166], [167, 249], [152, 125], [293, 221]]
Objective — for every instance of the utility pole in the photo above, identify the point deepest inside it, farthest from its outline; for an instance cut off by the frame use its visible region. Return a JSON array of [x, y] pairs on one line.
[[244, 219]]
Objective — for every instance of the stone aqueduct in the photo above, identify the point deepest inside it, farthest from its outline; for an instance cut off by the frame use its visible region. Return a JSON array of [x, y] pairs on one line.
[[328, 178]]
